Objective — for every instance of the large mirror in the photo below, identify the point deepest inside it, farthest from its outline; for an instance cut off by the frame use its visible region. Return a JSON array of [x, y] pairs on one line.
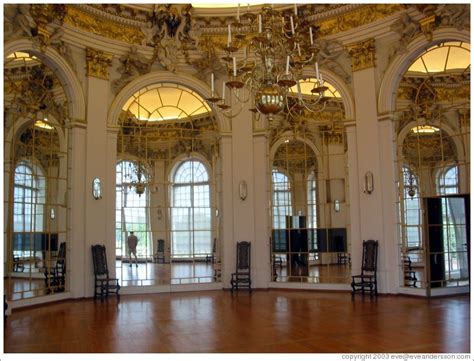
[[166, 189], [309, 214], [35, 179], [433, 161]]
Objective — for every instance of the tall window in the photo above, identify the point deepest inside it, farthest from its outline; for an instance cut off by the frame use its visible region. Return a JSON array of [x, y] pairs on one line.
[[132, 211], [28, 199], [448, 181], [411, 209], [281, 199], [312, 201], [191, 228], [28, 203]]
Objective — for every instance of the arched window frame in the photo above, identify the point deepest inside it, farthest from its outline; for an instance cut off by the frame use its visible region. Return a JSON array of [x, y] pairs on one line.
[[32, 196], [191, 221], [448, 180]]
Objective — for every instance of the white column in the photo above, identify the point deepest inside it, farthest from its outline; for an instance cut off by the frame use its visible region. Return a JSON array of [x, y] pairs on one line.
[[389, 254], [261, 241], [372, 156], [110, 195], [226, 213], [353, 231], [76, 250], [96, 166]]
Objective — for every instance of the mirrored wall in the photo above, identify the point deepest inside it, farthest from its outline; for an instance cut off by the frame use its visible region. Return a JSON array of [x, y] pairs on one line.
[[166, 189]]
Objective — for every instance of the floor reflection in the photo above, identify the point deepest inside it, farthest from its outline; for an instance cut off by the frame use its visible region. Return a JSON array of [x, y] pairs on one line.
[[146, 274], [331, 273]]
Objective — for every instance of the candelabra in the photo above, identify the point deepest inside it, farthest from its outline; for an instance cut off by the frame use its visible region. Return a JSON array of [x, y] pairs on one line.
[[276, 46]]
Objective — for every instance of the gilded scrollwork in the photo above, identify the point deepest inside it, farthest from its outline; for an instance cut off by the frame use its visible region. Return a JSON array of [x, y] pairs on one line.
[[131, 66], [98, 63], [19, 21], [362, 54]]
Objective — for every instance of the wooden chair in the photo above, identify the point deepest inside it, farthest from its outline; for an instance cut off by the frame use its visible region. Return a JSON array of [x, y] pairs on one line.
[[242, 276], [18, 265], [409, 274], [212, 257], [368, 276], [159, 255], [103, 284], [55, 271]]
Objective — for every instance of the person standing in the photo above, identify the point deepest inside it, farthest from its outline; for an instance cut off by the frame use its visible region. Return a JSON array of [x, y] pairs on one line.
[[132, 248]]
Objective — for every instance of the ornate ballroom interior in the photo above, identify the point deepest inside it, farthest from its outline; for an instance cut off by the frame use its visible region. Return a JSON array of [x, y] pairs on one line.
[[303, 129]]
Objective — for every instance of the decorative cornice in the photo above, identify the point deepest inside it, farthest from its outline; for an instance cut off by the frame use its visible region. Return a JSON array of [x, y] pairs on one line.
[[357, 17], [103, 27], [120, 13], [98, 63], [362, 54]]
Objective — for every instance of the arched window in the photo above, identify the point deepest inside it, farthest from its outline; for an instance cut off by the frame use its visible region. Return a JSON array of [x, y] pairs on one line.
[[411, 209], [132, 210], [191, 226], [312, 201], [281, 199], [448, 181], [28, 199]]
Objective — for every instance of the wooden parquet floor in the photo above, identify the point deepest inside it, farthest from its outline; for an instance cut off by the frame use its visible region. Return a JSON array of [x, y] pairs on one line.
[[263, 321]]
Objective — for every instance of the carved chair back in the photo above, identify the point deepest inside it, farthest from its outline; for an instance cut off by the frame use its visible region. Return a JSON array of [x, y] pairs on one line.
[[369, 257], [243, 257], [99, 259]]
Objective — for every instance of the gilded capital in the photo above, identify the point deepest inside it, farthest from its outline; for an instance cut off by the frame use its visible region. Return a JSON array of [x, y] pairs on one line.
[[362, 54], [98, 63]]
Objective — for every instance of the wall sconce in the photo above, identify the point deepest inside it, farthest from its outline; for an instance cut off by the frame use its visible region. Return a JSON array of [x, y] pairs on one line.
[[96, 188], [337, 205], [52, 214], [159, 214], [369, 182], [243, 190]]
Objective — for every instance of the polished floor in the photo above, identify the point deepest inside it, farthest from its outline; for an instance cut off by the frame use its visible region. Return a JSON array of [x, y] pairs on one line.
[[263, 321]]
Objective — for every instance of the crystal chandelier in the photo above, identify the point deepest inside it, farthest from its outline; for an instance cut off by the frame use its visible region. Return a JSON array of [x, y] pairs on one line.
[[280, 46]]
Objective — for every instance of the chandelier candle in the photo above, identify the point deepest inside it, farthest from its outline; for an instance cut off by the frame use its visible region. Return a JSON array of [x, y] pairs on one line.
[[212, 83], [277, 46]]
